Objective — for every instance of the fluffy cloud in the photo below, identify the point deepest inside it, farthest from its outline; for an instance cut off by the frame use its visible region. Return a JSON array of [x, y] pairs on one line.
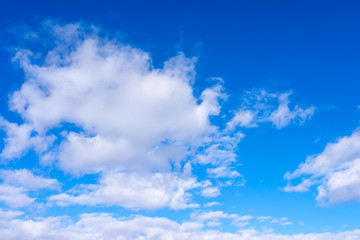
[[106, 227], [91, 105], [133, 191], [261, 106], [17, 184], [125, 112], [210, 192], [15, 196], [336, 171], [20, 138], [25, 178]]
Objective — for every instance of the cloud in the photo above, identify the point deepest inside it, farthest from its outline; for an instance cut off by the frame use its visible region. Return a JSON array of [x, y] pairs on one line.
[[20, 139], [214, 218], [211, 204], [217, 215], [15, 196], [93, 105], [124, 111], [243, 222], [261, 106], [210, 192], [220, 152], [223, 171], [25, 178], [282, 221], [106, 227], [243, 118], [17, 184], [336, 172], [133, 191], [6, 215]]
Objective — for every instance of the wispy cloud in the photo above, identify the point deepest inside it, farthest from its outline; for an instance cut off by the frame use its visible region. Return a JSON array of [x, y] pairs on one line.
[[261, 106]]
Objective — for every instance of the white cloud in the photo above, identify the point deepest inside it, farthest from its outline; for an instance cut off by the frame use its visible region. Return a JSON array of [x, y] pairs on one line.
[[264, 218], [221, 153], [303, 186], [261, 106], [95, 105], [106, 227], [223, 171], [212, 215], [6, 215], [213, 218], [210, 192], [336, 171], [283, 116], [19, 139], [282, 221], [243, 118], [211, 204], [242, 222], [25, 178], [17, 184], [133, 191], [142, 116], [15, 196]]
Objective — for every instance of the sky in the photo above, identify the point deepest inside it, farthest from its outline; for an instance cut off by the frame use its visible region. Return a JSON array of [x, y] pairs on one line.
[[180, 120]]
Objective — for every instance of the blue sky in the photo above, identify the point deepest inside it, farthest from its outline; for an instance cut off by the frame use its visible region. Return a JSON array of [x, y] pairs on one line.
[[179, 120]]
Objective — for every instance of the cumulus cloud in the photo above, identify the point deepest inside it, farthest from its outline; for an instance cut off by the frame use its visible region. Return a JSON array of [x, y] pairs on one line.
[[335, 171], [93, 105], [124, 110], [261, 106]]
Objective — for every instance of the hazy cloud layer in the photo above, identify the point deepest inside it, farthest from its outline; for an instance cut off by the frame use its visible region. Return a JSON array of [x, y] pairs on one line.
[[107, 227]]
